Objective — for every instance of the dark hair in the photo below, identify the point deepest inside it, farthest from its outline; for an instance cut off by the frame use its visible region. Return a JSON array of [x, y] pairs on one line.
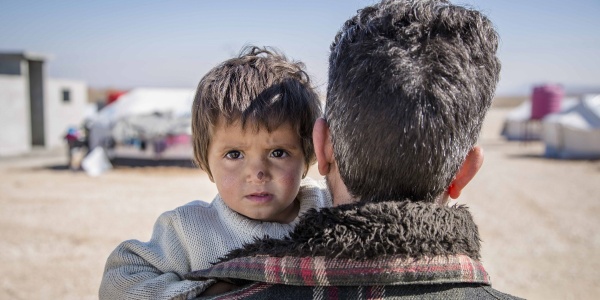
[[260, 87], [409, 85]]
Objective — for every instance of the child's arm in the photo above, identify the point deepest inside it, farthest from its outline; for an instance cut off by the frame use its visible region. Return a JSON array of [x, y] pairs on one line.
[[138, 270]]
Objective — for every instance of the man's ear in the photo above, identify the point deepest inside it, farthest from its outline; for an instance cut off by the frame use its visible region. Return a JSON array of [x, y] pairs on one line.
[[323, 146], [467, 171]]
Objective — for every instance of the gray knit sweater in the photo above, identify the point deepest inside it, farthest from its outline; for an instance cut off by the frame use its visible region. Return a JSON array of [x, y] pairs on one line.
[[191, 237]]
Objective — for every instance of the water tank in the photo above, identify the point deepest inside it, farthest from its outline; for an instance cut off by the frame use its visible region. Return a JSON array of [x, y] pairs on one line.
[[546, 99]]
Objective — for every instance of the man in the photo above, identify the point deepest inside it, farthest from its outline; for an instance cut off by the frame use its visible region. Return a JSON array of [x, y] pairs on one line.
[[409, 85]]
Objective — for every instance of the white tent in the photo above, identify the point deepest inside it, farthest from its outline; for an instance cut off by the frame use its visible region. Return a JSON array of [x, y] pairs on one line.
[[574, 133], [518, 125], [136, 125]]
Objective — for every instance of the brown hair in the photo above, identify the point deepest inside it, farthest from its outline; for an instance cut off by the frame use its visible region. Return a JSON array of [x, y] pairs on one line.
[[260, 88]]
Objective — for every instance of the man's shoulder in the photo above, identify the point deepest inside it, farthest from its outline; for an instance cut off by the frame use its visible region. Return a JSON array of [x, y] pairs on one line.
[[261, 290], [441, 277], [322, 271]]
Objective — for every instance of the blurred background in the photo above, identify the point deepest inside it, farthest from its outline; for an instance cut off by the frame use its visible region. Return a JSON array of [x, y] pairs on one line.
[[94, 131]]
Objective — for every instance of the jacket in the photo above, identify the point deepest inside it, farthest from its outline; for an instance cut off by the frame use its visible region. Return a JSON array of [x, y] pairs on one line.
[[387, 250]]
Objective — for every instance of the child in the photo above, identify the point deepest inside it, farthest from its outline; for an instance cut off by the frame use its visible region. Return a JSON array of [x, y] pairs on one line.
[[252, 122]]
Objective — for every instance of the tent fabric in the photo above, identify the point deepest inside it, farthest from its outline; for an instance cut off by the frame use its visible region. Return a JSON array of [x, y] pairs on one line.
[[518, 125], [154, 125], [574, 133], [141, 121], [145, 101]]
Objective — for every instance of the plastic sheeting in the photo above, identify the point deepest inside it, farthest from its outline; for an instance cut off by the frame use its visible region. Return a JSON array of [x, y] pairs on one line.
[[145, 123], [518, 125], [574, 133]]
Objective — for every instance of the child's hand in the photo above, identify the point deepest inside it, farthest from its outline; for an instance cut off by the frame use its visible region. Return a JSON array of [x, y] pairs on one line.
[[220, 287]]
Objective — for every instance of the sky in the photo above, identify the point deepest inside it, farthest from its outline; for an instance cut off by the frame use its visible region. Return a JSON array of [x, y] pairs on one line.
[[128, 44]]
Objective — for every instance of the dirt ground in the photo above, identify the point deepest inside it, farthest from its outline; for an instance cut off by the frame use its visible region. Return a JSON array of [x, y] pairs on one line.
[[538, 219]]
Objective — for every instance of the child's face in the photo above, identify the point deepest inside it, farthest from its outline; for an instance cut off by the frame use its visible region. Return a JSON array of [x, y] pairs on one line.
[[257, 173]]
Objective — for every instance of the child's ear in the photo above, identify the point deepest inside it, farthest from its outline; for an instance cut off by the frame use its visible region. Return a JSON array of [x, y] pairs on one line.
[[323, 146]]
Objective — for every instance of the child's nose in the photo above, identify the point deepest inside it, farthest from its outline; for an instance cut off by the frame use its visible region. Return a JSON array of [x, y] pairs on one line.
[[259, 172]]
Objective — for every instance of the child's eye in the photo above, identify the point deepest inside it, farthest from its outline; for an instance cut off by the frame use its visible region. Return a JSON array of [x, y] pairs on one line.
[[279, 153], [234, 154]]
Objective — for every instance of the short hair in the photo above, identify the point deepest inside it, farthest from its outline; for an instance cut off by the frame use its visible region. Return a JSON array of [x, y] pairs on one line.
[[260, 88], [409, 85]]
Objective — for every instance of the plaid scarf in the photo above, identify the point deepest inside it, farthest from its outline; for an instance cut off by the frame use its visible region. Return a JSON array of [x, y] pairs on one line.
[[320, 271], [440, 277]]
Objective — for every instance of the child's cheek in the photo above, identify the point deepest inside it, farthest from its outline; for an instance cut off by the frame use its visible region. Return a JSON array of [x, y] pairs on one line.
[[229, 181], [290, 178], [230, 176]]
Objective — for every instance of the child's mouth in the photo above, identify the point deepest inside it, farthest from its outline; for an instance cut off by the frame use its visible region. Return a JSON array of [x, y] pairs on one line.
[[259, 197]]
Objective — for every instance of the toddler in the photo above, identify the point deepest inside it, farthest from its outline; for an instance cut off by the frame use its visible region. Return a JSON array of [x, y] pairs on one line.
[[252, 122]]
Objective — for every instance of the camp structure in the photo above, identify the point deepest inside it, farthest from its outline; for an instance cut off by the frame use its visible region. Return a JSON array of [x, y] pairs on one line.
[[145, 125], [517, 125], [524, 122], [520, 126], [574, 133]]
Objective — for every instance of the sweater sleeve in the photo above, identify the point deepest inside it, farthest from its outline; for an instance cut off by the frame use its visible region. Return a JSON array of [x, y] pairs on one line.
[[154, 269]]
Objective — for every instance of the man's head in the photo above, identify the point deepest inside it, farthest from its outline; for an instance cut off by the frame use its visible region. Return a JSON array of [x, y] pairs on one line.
[[259, 89], [409, 85]]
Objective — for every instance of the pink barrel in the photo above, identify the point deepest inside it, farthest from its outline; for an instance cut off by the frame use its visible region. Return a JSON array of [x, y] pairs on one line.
[[546, 99]]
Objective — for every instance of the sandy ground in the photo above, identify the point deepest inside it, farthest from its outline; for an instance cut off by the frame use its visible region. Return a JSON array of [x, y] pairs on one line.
[[538, 219]]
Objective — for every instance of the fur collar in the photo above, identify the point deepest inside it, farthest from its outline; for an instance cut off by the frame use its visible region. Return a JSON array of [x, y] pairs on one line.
[[372, 230]]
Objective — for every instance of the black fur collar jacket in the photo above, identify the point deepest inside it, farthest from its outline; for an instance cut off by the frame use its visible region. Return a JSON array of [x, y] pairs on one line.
[[363, 231], [384, 250]]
